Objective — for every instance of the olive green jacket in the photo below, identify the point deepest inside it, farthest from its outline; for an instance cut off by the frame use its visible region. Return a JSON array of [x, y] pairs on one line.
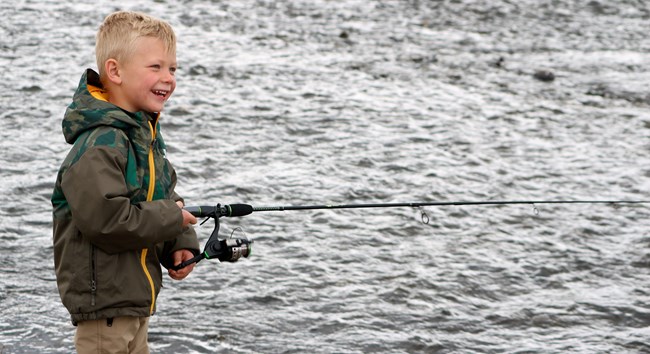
[[115, 216]]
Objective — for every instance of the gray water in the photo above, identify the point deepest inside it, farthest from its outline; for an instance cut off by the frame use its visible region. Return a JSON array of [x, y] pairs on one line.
[[316, 102]]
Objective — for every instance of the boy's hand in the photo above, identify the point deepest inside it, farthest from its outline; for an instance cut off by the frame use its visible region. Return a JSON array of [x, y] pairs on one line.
[[177, 258], [188, 218]]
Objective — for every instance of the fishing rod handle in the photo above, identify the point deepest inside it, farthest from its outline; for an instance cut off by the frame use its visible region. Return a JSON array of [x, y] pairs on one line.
[[219, 210]]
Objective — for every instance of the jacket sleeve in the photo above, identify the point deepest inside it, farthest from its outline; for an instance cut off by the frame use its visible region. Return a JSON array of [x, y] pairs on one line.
[[187, 240], [98, 197], [175, 197]]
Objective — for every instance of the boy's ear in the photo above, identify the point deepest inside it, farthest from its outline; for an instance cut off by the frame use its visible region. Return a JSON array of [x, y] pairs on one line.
[[112, 70]]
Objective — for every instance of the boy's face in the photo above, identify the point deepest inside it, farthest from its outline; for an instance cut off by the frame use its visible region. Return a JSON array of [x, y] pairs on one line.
[[147, 78]]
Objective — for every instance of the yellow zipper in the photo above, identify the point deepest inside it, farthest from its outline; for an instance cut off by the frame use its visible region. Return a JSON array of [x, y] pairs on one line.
[[152, 185], [152, 167]]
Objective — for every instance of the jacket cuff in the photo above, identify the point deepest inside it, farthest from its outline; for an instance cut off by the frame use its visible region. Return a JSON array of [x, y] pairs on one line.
[[187, 240]]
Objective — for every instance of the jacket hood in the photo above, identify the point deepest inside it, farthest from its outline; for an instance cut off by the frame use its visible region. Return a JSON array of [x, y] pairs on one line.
[[90, 108]]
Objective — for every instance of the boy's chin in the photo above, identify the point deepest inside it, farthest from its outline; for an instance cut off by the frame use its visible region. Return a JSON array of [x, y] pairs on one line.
[[155, 105], [155, 108]]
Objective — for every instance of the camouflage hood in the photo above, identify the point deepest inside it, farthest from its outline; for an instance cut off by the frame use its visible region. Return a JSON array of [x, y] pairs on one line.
[[90, 109]]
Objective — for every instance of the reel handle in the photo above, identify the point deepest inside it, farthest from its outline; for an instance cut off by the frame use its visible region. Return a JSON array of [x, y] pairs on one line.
[[195, 259]]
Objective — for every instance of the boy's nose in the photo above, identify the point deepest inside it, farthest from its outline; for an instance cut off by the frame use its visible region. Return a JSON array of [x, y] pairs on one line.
[[168, 77]]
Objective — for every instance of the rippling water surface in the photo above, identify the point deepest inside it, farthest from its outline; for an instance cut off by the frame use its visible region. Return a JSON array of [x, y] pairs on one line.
[[314, 102]]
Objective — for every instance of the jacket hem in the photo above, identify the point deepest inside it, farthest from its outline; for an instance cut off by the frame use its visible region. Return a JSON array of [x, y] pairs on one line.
[[110, 313]]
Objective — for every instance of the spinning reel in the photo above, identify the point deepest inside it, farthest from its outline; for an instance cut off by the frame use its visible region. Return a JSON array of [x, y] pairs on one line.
[[225, 250]]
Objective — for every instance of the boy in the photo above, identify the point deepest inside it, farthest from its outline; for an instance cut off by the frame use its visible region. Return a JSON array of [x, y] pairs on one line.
[[116, 215]]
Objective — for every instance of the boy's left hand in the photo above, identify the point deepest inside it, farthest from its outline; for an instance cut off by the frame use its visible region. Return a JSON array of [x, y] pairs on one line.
[[177, 258]]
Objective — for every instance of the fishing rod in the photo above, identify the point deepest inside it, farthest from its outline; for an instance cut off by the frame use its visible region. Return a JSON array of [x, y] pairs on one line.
[[230, 210], [230, 250]]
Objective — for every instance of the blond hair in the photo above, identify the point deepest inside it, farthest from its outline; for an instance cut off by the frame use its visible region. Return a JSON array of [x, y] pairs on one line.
[[117, 36]]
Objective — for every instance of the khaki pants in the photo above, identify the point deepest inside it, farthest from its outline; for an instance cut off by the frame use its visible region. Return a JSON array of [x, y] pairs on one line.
[[124, 335]]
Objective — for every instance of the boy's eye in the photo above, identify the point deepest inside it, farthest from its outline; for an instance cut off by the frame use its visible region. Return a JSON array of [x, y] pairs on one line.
[[156, 67], [172, 70]]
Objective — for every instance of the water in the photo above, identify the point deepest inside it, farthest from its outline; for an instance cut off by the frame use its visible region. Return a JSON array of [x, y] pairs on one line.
[[314, 102]]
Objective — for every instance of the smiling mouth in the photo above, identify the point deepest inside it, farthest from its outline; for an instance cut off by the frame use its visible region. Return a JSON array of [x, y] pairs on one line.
[[160, 93]]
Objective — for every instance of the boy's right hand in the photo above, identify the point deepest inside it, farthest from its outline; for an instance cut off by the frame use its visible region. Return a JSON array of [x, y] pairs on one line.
[[188, 218]]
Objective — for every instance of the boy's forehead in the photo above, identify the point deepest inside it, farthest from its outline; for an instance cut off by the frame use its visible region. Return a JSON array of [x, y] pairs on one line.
[[153, 40], [151, 45]]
